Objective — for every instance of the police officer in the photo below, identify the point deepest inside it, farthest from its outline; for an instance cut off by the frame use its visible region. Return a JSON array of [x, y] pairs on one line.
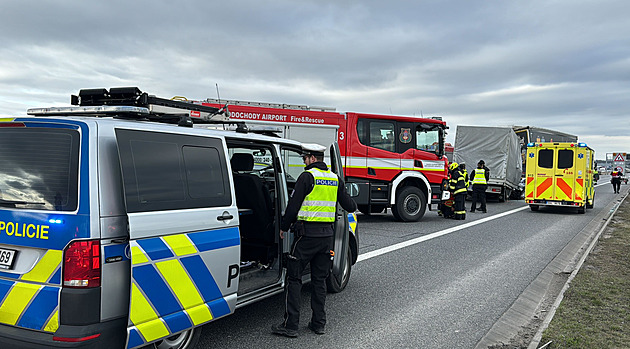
[[479, 178], [311, 210], [459, 187]]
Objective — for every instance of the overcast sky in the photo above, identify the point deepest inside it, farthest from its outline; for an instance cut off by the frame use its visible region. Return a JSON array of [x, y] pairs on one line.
[[563, 65]]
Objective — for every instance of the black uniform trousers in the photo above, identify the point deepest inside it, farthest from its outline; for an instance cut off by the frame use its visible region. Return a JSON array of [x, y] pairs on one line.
[[616, 183], [460, 206], [316, 251], [478, 194]]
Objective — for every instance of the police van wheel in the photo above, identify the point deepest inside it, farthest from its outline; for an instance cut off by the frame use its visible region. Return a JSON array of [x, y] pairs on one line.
[[333, 285], [183, 340], [410, 204]]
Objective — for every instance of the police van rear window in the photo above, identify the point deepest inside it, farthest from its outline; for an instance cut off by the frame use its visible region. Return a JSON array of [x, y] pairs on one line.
[[39, 168]]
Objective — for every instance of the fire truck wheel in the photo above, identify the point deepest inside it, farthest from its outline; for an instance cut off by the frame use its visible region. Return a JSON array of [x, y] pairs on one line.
[[410, 204], [331, 282]]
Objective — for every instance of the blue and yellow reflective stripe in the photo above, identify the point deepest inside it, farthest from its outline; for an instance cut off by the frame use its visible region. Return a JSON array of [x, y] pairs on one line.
[[45, 268], [172, 287], [352, 220], [180, 244], [185, 290], [29, 306], [33, 304], [16, 301], [138, 256], [142, 314]]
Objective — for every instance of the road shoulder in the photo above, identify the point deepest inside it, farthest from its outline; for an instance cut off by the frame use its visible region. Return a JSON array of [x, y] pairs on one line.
[[519, 326]]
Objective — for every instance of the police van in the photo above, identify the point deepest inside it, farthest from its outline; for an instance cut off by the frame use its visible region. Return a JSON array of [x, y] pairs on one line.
[[561, 175], [123, 226]]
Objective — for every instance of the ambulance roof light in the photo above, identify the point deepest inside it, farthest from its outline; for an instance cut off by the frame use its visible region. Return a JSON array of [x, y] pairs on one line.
[[582, 145], [530, 145]]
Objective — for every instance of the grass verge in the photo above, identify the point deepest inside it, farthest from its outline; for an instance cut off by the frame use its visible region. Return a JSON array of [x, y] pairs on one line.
[[595, 310]]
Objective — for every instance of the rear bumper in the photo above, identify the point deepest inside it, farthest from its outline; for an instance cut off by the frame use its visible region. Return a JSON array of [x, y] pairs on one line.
[[111, 334], [556, 203]]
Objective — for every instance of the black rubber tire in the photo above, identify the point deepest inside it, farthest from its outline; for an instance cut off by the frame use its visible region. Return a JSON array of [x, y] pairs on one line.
[[184, 340], [534, 207], [411, 203], [582, 209], [331, 282]]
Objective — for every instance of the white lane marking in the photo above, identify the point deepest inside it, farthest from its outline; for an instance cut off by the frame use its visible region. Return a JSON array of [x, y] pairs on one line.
[[398, 246]]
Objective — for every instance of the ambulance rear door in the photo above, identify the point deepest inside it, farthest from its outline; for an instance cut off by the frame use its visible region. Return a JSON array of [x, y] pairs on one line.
[[543, 176], [183, 229], [564, 173]]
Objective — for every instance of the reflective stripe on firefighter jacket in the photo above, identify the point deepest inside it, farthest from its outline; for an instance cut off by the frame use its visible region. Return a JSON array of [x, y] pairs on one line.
[[480, 176], [459, 182], [320, 204]]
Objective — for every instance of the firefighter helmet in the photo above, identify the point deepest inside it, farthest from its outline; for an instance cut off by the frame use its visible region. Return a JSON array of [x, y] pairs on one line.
[[453, 166]]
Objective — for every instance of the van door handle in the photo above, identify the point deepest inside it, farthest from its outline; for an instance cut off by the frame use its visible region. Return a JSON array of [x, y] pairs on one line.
[[225, 216]]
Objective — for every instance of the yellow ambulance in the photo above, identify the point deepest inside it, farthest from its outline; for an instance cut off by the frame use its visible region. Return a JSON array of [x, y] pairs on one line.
[[559, 174]]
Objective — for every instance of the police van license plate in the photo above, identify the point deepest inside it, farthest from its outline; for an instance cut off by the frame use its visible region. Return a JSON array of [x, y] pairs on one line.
[[6, 258]]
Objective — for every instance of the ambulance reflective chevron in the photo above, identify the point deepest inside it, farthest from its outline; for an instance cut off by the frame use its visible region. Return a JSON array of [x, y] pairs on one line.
[[121, 226], [560, 174], [389, 161]]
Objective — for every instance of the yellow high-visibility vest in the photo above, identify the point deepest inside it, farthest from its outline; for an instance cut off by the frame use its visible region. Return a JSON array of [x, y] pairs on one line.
[[320, 204], [480, 176]]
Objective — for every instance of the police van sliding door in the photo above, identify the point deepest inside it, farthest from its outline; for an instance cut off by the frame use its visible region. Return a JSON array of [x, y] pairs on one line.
[[341, 244], [183, 232]]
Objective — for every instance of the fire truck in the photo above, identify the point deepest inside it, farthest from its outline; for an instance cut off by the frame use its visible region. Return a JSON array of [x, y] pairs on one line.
[[395, 162]]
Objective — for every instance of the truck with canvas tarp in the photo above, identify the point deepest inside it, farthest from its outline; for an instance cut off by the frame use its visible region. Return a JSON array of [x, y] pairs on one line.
[[499, 147]]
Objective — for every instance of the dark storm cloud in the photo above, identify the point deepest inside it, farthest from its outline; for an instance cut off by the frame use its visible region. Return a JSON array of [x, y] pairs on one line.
[[554, 64]]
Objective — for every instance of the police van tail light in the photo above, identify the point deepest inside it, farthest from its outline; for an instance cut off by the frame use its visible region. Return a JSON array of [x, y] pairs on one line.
[[82, 264]]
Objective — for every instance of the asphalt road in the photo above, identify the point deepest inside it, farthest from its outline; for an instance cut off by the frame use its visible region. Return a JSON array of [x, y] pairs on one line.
[[437, 283]]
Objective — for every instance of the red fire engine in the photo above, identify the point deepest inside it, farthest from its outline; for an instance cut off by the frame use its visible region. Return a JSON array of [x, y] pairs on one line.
[[389, 161]]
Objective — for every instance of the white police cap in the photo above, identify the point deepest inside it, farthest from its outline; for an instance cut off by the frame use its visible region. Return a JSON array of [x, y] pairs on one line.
[[313, 149]]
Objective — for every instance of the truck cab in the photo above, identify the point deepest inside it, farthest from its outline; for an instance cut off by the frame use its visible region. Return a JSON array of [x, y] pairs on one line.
[[122, 227]]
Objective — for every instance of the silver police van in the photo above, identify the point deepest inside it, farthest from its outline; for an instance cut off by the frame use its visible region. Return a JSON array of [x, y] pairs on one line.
[[123, 226]]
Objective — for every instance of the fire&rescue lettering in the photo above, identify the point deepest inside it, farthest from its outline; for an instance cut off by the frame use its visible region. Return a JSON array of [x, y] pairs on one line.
[[30, 231]]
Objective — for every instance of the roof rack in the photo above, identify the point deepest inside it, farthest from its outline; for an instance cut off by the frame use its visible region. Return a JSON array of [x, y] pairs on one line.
[[132, 103]]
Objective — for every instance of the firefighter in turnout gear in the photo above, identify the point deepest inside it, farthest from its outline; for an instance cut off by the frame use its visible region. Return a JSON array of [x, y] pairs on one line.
[[459, 187], [311, 210], [479, 178]]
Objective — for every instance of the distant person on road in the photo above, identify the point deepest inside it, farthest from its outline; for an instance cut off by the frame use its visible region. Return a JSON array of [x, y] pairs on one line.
[[479, 178], [616, 180], [458, 185], [311, 214]]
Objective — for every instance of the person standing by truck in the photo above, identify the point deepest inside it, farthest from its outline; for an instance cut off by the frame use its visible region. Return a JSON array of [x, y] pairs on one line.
[[479, 178], [313, 205], [616, 180], [459, 187]]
